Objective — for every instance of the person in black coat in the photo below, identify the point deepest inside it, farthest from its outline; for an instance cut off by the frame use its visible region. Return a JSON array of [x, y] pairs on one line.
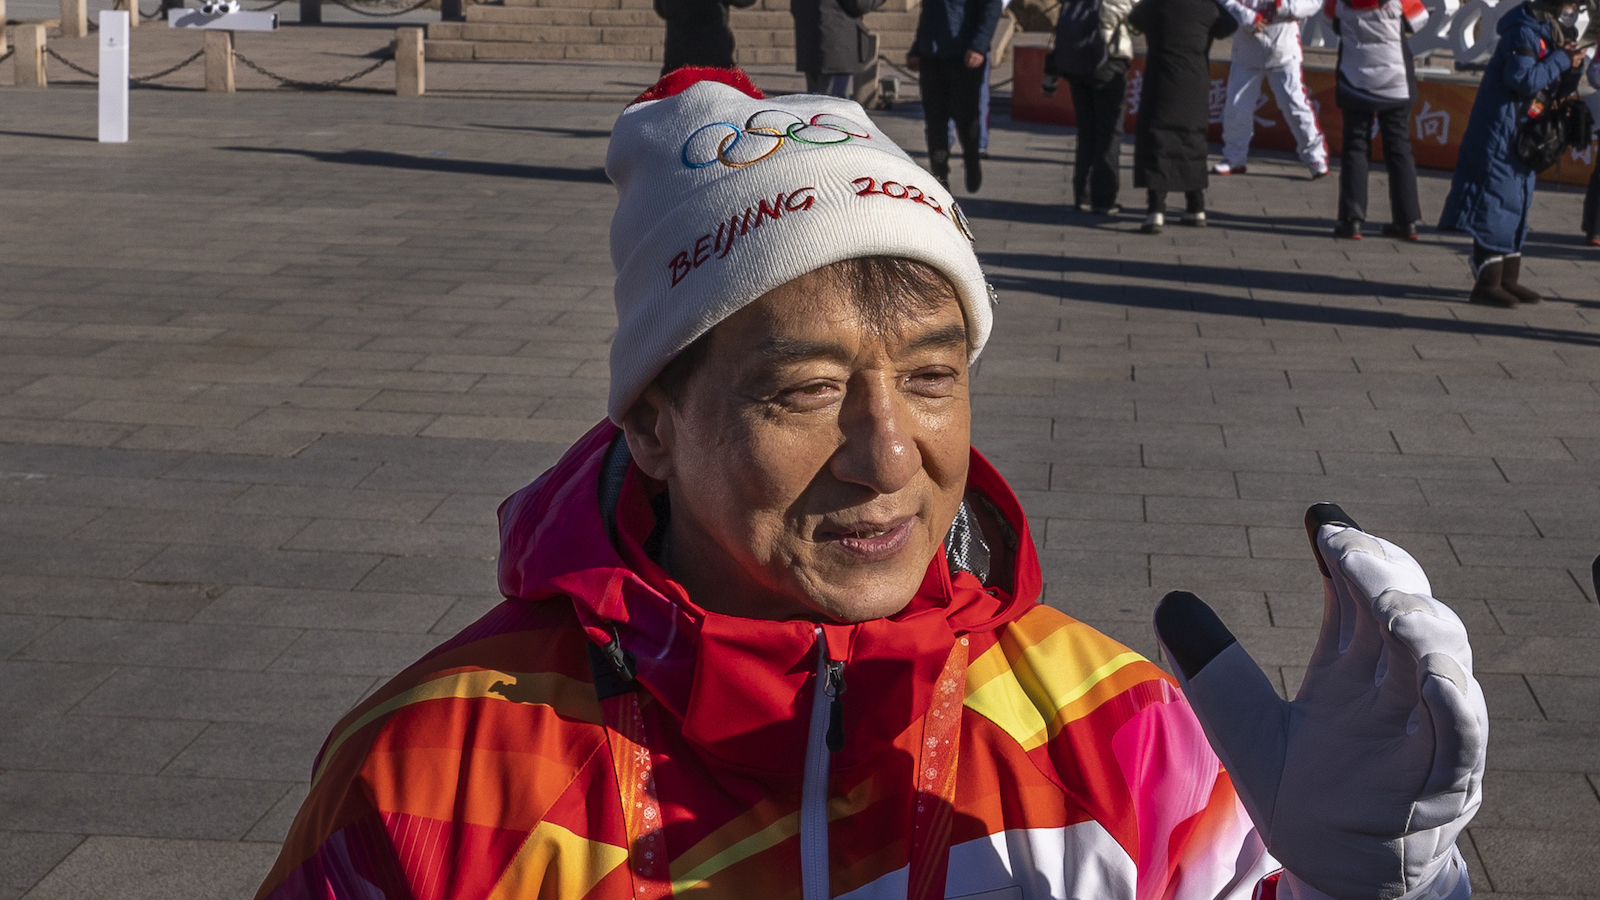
[[1169, 148], [698, 33], [831, 44], [949, 55]]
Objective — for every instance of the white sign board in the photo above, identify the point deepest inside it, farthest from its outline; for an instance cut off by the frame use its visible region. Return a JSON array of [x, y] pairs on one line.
[[114, 77], [243, 20]]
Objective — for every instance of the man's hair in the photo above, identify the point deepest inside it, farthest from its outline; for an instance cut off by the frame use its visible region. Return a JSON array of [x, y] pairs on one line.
[[887, 291]]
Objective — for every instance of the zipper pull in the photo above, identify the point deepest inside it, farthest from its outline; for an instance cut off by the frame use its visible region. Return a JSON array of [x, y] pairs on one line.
[[835, 688]]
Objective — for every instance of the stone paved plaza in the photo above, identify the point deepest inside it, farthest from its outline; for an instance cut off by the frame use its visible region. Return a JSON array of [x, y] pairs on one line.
[[266, 372]]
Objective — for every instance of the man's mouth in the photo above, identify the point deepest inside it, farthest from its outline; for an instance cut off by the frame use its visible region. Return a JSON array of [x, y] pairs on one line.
[[870, 541]]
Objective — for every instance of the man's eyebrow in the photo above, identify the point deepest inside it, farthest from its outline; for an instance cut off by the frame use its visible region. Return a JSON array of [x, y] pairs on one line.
[[783, 350], [944, 336]]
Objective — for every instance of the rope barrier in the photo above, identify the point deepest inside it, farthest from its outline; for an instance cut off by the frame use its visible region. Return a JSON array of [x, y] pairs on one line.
[[50, 51], [154, 15], [383, 15], [310, 85]]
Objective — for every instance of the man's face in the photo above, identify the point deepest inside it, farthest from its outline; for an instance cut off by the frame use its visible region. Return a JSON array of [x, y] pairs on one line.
[[814, 463]]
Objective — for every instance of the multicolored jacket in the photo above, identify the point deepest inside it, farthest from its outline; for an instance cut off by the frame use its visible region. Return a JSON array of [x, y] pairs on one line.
[[598, 735]]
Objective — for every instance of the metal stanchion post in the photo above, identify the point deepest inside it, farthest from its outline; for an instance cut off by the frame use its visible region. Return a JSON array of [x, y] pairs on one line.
[[30, 55], [450, 11], [219, 61], [310, 12], [3, 45]]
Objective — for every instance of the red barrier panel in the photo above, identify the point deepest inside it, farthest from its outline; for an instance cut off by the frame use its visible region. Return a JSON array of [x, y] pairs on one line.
[[1438, 119]]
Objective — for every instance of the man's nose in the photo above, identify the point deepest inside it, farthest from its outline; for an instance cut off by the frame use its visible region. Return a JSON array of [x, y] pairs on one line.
[[880, 439]]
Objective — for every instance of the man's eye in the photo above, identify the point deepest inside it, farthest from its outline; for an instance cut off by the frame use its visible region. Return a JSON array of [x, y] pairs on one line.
[[809, 396], [938, 383]]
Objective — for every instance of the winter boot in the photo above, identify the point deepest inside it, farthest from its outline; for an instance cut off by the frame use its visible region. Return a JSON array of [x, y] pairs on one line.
[[1488, 291], [1153, 223], [939, 165], [974, 168], [1509, 274]]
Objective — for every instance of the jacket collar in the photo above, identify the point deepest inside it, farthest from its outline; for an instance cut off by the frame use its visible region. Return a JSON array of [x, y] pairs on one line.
[[741, 687]]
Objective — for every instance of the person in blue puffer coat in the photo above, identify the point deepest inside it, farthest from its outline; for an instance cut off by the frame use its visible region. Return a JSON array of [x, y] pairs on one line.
[[1492, 189]]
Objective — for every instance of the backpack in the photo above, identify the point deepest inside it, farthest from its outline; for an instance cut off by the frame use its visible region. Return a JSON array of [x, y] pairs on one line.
[[1548, 128], [1080, 47]]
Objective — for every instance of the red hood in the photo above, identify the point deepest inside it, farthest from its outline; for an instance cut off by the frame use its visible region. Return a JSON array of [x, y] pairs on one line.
[[741, 687]]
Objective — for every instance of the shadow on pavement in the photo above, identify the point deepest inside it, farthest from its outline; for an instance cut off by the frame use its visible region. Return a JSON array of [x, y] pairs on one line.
[[1179, 299], [437, 164], [546, 129], [53, 137], [1302, 282]]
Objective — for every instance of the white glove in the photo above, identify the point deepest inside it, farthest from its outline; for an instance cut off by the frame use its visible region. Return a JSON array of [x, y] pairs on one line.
[[1359, 786]]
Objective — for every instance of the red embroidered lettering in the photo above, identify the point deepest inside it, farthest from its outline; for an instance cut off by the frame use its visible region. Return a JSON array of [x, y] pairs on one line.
[[894, 190], [679, 267], [763, 211], [716, 245], [733, 232]]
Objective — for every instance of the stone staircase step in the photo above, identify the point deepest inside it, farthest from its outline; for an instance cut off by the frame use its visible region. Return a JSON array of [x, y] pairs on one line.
[[630, 30]]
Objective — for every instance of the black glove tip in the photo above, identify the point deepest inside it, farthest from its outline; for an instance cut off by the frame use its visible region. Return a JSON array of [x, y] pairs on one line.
[[1321, 514], [1191, 632]]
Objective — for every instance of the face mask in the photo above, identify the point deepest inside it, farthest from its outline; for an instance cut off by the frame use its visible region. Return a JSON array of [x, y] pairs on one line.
[[1569, 19]]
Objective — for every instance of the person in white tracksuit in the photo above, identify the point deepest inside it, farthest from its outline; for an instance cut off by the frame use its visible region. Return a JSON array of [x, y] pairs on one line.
[[1269, 49]]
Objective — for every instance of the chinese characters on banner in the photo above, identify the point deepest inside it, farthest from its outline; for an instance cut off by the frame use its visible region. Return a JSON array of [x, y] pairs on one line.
[[1438, 119]]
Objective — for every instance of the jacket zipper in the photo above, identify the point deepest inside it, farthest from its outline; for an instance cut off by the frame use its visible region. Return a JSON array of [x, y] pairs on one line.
[[825, 738]]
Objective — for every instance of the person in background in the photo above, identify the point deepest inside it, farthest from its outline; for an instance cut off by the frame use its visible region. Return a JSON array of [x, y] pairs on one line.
[[697, 33], [983, 102], [950, 53], [1376, 79], [1092, 50], [831, 44], [1591, 200], [1169, 149], [1269, 48], [1492, 189]]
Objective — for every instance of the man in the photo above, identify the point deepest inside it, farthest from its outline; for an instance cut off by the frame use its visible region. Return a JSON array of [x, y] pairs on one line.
[[1092, 50], [950, 55], [831, 45], [1269, 48], [773, 628], [698, 33]]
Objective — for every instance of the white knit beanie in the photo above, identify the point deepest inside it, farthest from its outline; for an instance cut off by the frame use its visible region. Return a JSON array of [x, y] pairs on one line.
[[723, 196]]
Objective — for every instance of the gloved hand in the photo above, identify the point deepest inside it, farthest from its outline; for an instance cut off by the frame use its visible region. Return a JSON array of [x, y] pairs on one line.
[[1359, 786]]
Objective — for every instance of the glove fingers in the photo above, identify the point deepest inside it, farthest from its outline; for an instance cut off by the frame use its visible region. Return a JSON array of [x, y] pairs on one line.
[[1458, 720], [1361, 568], [1243, 716]]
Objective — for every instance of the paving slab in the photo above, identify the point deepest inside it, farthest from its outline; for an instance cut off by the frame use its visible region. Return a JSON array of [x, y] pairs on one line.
[[267, 370]]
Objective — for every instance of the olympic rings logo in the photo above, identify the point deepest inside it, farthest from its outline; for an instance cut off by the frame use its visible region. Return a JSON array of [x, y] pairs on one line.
[[764, 134]]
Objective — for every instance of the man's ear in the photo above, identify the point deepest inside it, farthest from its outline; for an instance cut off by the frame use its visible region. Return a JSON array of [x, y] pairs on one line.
[[650, 430]]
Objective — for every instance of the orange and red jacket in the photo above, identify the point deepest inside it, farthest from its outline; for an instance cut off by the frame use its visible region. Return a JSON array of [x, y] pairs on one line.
[[599, 735]]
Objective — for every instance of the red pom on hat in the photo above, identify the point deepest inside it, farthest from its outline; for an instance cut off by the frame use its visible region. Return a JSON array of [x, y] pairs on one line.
[[679, 80]]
